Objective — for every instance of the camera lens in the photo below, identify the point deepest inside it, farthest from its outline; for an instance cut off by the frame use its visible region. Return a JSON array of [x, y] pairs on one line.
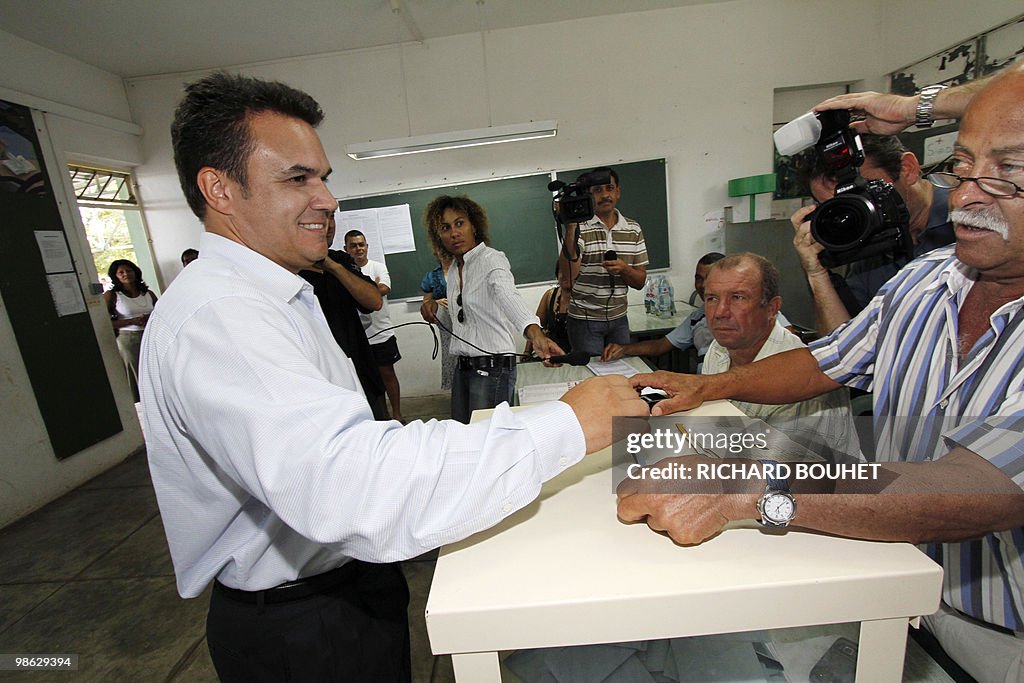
[[843, 222]]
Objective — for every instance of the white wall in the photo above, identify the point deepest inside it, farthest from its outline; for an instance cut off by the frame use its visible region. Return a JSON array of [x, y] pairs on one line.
[[30, 475]]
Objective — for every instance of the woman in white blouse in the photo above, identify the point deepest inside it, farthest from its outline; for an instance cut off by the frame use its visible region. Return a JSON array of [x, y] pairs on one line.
[[129, 302], [488, 316]]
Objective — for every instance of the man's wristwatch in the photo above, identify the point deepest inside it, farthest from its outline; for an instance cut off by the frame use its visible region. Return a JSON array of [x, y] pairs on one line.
[[776, 506], [926, 105]]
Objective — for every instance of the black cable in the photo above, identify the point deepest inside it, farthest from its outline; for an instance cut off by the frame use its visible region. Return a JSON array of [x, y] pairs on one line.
[[436, 344]]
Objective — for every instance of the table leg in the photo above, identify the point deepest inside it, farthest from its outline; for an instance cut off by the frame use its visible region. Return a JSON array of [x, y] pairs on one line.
[[471, 667], [882, 648]]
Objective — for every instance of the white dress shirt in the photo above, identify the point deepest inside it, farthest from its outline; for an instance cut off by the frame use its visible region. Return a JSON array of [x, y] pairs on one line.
[[495, 316], [266, 460]]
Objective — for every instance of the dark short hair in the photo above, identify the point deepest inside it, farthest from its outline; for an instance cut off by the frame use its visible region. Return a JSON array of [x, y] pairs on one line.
[[194, 253], [709, 258], [353, 233], [769, 273], [434, 212], [116, 284], [884, 151], [211, 126]]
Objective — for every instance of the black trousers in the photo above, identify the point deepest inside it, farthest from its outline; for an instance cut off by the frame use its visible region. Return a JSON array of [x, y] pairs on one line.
[[357, 630]]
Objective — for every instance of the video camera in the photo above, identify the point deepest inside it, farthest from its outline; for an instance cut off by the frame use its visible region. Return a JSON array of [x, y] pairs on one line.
[[574, 204], [866, 217]]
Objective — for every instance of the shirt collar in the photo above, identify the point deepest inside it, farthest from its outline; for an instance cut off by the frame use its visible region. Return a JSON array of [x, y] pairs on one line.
[[271, 277], [595, 221], [474, 252]]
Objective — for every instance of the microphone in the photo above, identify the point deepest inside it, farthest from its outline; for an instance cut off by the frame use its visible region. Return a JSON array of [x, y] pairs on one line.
[[610, 255], [572, 358]]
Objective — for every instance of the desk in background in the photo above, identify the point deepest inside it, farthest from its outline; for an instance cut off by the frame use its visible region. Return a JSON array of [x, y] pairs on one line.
[[643, 326], [565, 571]]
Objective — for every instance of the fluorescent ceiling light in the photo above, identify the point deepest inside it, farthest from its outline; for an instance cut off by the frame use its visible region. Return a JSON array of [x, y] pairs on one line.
[[454, 140]]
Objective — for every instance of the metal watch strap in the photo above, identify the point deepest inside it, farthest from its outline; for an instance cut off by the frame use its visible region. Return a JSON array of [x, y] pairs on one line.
[[926, 105]]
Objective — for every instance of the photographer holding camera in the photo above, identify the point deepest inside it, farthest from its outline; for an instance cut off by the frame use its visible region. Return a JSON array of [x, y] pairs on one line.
[[837, 299], [604, 256]]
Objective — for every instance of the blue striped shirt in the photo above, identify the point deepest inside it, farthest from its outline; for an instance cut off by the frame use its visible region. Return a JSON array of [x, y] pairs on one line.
[[903, 348]]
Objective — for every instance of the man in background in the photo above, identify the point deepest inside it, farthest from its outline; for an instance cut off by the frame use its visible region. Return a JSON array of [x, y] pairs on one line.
[[188, 256], [345, 293], [837, 298], [601, 279], [377, 323], [691, 332]]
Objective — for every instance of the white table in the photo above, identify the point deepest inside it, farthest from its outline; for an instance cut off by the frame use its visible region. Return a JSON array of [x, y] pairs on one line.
[[565, 571]]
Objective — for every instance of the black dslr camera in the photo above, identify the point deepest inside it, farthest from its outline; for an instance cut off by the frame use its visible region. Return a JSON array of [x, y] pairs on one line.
[[574, 203], [866, 217]]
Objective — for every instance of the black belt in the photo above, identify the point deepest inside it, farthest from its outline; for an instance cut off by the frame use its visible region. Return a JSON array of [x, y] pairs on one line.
[[293, 590], [486, 362]]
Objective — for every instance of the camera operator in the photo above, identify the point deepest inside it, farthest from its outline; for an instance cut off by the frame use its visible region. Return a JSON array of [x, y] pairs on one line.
[[837, 299], [604, 256]]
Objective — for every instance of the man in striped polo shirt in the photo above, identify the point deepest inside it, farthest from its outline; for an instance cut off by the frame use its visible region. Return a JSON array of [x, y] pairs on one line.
[[605, 256], [941, 346]]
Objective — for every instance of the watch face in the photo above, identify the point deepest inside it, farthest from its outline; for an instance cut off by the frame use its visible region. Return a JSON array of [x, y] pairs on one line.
[[778, 508]]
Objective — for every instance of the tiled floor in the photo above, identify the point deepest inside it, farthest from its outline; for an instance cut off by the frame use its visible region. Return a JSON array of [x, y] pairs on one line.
[[89, 574]]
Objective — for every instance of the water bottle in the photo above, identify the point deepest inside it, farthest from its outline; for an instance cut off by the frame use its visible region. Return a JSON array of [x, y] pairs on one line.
[[651, 297]]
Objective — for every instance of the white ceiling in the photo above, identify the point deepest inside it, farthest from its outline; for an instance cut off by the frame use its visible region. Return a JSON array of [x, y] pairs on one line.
[[134, 38]]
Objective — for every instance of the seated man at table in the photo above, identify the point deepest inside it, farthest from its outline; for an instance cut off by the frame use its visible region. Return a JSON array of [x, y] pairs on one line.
[[741, 300], [942, 341], [691, 332]]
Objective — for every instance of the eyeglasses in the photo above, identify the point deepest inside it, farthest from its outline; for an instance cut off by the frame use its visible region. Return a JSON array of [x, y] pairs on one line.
[[462, 312], [997, 187]]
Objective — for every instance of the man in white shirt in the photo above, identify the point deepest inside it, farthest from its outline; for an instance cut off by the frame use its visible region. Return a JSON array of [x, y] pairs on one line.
[[272, 477], [742, 301], [377, 324]]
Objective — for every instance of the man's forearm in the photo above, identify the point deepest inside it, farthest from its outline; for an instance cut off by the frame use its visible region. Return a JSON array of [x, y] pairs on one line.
[[829, 310], [786, 377], [362, 290], [648, 347]]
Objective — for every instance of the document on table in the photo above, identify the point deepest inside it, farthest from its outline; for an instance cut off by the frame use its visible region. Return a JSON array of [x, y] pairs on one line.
[[612, 367], [539, 393]]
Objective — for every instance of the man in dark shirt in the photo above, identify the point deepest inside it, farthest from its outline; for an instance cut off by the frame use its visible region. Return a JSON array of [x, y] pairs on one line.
[[838, 298], [343, 292]]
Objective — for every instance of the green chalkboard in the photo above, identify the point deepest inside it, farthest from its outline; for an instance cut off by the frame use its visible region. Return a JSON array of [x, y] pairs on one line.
[[519, 211]]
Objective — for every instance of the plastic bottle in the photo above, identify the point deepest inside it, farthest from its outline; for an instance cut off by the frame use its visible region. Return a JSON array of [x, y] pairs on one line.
[[666, 306], [651, 297]]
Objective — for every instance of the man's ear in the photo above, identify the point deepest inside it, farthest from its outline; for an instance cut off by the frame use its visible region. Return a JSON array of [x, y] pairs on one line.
[[775, 305], [910, 168], [216, 189]]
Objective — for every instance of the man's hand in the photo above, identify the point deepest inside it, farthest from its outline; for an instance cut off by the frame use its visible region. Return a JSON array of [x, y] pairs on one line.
[[613, 352], [884, 114], [428, 310], [616, 267], [684, 390], [807, 248], [688, 518], [597, 400]]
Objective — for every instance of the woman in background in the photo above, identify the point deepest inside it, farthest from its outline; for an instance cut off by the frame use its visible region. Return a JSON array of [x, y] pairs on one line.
[[553, 311], [129, 302], [488, 315]]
